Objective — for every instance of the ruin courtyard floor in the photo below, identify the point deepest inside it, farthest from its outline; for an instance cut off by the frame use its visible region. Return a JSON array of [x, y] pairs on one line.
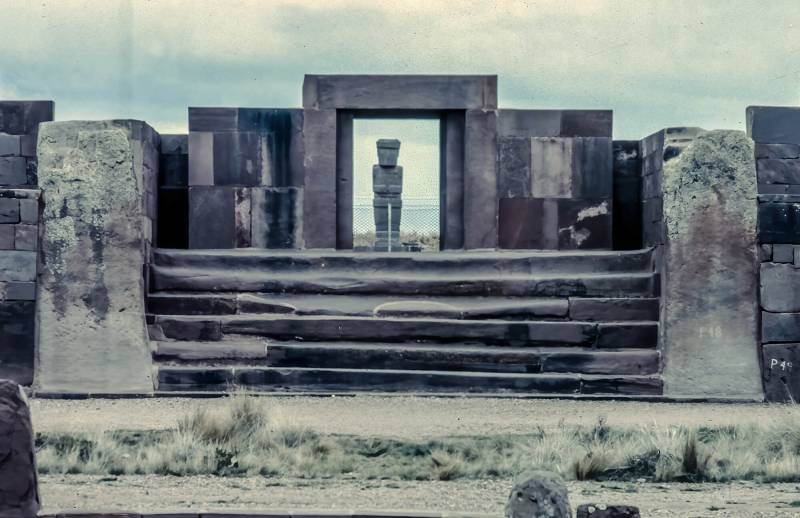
[[405, 418]]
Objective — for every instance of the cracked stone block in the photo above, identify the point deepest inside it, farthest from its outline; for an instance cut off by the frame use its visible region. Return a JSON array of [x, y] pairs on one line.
[[781, 363], [19, 491]]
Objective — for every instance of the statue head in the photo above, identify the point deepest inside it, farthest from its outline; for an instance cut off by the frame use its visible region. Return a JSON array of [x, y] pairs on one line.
[[388, 149]]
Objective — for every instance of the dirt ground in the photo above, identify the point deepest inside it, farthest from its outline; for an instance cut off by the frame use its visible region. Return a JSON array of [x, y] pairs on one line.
[[407, 417]]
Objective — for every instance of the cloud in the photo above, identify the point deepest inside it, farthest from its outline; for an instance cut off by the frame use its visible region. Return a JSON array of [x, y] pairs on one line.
[[656, 63]]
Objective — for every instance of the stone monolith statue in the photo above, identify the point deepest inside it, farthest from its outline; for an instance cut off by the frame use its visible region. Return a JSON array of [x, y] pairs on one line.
[[387, 186]]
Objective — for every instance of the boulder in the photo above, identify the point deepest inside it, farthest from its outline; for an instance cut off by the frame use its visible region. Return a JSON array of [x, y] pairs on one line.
[[538, 494], [19, 495], [607, 511], [710, 295]]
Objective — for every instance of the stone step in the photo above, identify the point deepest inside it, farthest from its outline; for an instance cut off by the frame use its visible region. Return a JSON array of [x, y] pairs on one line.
[[452, 283], [438, 357], [459, 308], [225, 378], [361, 263], [617, 335]]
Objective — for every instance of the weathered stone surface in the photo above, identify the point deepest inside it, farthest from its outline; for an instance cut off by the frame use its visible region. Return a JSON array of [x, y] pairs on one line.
[[25, 237], [779, 223], [174, 144], [607, 511], [551, 167], [592, 169], [773, 124], [710, 326], [19, 491], [523, 223], [275, 217], [415, 92], [7, 237], [29, 211], [780, 327], [13, 170], [17, 265], [201, 158], [529, 123], [775, 170], [92, 334], [538, 494], [23, 117], [212, 119], [20, 291], [765, 253], [9, 210], [319, 194], [781, 365], [211, 217], [777, 150], [17, 330], [584, 224], [780, 287], [514, 167], [480, 179], [9, 145], [586, 123], [243, 158], [782, 253]]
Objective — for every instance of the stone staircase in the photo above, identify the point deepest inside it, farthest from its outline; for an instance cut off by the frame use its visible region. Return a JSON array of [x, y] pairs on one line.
[[533, 322]]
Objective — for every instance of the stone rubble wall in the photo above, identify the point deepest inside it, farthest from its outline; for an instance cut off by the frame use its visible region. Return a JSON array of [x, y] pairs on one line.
[[776, 132], [555, 179], [19, 234], [245, 178]]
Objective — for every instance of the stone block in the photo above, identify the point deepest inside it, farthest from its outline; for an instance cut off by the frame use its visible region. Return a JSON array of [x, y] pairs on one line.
[[319, 196], [776, 170], [780, 327], [174, 144], [28, 145], [781, 363], [782, 253], [529, 123], [173, 170], [779, 223], [398, 92], [20, 291], [584, 224], [10, 145], [17, 265], [17, 319], [480, 179], [29, 211], [13, 170], [551, 167], [652, 186], [201, 158], [285, 127], [777, 150], [586, 123], [7, 237], [765, 253], [26, 237], [19, 491], [592, 169], [243, 158], [23, 117], [213, 119], [90, 286], [773, 124], [275, 217], [211, 217], [710, 324], [514, 167], [242, 208], [528, 223], [780, 287]]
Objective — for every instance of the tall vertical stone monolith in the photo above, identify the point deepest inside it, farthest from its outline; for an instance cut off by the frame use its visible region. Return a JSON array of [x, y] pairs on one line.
[[19, 493]]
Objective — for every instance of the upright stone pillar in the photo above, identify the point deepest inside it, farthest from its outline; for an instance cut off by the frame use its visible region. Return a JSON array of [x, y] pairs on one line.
[[19, 494], [710, 289], [387, 185], [95, 234]]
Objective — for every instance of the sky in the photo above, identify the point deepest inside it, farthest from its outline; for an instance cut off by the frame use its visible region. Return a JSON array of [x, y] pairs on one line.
[[655, 63]]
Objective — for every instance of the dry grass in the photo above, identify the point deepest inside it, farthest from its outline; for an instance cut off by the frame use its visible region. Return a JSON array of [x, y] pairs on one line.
[[428, 241], [249, 438]]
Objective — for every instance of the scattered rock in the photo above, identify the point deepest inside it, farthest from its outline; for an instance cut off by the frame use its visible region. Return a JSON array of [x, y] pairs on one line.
[[607, 511], [538, 494]]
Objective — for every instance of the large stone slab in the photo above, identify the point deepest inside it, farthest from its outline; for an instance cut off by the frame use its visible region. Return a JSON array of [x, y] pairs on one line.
[[480, 179], [91, 325], [774, 124], [23, 117], [778, 170], [319, 199], [403, 92], [212, 217], [780, 327], [710, 326], [780, 288], [19, 491], [555, 123]]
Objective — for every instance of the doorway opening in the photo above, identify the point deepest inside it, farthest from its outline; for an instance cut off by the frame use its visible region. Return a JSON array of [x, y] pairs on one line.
[[378, 188]]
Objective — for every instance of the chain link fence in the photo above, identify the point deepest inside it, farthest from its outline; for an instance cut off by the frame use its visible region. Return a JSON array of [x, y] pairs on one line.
[[419, 223]]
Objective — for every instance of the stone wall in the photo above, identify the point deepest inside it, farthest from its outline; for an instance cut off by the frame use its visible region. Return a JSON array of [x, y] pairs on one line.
[[245, 178], [19, 233], [173, 192], [776, 132], [554, 177]]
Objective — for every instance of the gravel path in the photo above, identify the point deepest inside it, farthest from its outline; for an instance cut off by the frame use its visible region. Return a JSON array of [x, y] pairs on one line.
[[408, 417], [160, 494]]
